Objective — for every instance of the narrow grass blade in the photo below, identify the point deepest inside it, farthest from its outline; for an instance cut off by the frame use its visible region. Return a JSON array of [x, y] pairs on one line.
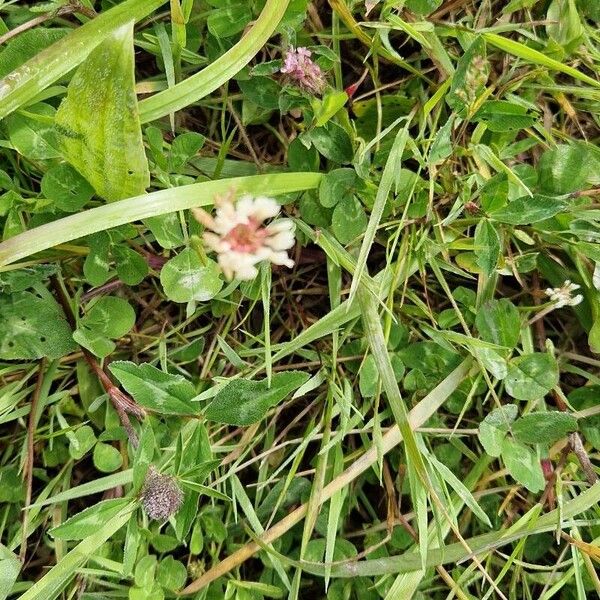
[[453, 553], [26, 82], [537, 58], [217, 73], [390, 171], [148, 205], [50, 586]]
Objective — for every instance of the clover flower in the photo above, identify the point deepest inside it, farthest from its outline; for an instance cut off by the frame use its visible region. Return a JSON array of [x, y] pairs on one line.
[[241, 239], [161, 496], [562, 296], [303, 71]]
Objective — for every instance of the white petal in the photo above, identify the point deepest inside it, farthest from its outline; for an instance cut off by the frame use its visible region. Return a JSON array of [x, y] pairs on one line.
[[214, 242], [246, 273], [281, 258], [577, 300], [281, 241], [281, 225], [265, 208], [244, 208], [203, 217]]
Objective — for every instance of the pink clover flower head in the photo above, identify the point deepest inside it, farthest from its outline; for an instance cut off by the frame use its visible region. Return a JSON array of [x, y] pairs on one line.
[[303, 71]]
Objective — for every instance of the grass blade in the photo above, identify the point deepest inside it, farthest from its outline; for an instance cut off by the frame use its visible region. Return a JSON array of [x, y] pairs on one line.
[[217, 73], [536, 57], [49, 586], [148, 205]]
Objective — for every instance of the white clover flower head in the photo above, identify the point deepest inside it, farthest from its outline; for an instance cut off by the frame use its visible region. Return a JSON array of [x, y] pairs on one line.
[[303, 71], [563, 296], [240, 238]]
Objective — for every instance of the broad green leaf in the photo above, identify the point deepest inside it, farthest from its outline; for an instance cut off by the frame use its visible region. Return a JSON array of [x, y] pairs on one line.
[[99, 126], [332, 142], [313, 212], [26, 45], [348, 220], [131, 266], [10, 567], [498, 322], [337, 185], [185, 278], [35, 75], [108, 318], [22, 279], [423, 7], [564, 169], [162, 392], [369, 376], [96, 267], [171, 574], [167, 230], [584, 398], [262, 91], [544, 427], [32, 135], [301, 158], [107, 458], [33, 327], [90, 520], [229, 20], [493, 429], [529, 209], [327, 108], [523, 464], [66, 188], [487, 246], [148, 205], [501, 116], [184, 147], [145, 571], [564, 25], [492, 361], [532, 376], [82, 440], [243, 402]]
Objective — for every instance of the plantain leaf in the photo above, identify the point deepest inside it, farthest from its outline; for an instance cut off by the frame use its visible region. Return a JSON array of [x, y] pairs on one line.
[[98, 123]]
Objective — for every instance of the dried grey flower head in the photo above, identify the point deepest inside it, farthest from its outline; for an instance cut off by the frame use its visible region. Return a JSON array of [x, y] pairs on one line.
[[161, 496]]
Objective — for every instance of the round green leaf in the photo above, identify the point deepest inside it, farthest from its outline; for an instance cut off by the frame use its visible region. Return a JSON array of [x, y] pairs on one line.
[[532, 376], [336, 185], [171, 573], [107, 458], [33, 138], [184, 278], [66, 187], [349, 219], [523, 464]]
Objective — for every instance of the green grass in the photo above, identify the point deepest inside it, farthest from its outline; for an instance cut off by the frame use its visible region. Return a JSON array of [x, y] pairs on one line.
[[410, 411]]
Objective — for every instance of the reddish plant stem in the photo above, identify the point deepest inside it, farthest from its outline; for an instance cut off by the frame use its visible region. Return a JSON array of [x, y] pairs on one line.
[[123, 404]]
